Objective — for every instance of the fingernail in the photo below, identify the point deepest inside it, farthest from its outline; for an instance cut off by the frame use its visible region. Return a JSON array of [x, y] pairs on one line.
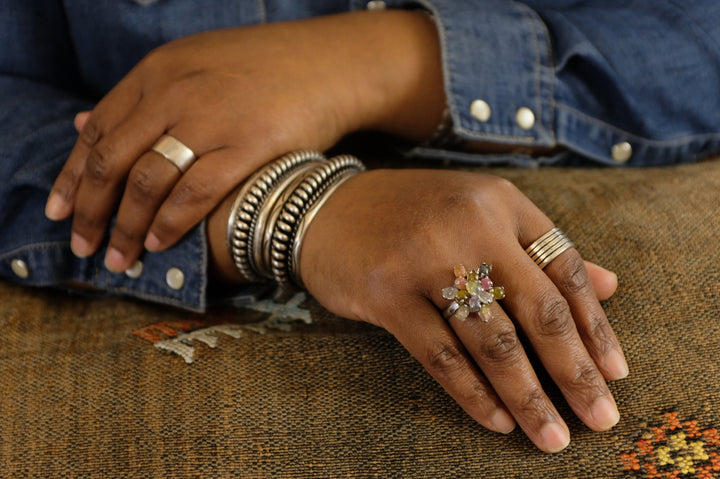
[[502, 422], [79, 246], [152, 243], [554, 437], [55, 208], [114, 260], [615, 364], [604, 413]]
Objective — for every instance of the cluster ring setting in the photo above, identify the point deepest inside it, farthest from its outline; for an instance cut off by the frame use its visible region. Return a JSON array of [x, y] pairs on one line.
[[472, 292]]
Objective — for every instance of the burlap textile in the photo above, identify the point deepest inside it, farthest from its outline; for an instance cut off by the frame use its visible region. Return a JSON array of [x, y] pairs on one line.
[[89, 389]]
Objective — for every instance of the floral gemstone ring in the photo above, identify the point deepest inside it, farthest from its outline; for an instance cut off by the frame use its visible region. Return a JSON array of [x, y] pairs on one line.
[[472, 292]]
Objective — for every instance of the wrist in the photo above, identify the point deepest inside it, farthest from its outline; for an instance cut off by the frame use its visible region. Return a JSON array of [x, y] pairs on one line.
[[400, 89]]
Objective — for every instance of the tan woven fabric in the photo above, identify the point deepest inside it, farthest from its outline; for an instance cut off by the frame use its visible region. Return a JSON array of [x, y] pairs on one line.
[[88, 388]]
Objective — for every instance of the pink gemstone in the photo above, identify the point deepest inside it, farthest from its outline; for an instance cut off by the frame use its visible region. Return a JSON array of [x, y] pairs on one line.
[[460, 282], [486, 283]]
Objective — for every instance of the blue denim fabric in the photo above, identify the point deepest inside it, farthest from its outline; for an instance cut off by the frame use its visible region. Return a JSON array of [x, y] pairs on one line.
[[595, 73]]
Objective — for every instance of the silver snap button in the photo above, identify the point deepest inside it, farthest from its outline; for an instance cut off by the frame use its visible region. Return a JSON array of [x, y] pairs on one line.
[[525, 118], [135, 271], [480, 110], [175, 278], [20, 269], [621, 152], [376, 5]]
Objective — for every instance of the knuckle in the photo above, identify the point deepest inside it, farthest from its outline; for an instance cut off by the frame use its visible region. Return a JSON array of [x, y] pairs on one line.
[[553, 316], [123, 235], [91, 132], [574, 278], [503, 346], [585, 378], [191, 191], [83, 222], [166, 226], [445, 358], [67, 183], [504, 185], [476, 394], [183, 87], [99, 164], [601, 338], [534, 402], [142, 184]]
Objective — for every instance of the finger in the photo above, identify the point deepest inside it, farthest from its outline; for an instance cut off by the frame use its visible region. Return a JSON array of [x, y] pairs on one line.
[[106, 169], [147, 186], [80, 120], [496, 348], [573, 281], [430, 340], [604, 282], [111, 110], [198, 192], [546, 318]]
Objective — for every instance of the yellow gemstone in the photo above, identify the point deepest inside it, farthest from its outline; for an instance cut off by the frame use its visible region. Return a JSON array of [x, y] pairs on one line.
[[462, 295], [460, 271], [473, 286], [472, 276], [498, 292]]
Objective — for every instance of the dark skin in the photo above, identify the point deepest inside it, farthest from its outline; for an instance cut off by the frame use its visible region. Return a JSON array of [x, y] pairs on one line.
[[239, 108]]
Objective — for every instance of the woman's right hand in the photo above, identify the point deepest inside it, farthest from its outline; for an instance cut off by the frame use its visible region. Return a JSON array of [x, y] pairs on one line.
[[382, 249]]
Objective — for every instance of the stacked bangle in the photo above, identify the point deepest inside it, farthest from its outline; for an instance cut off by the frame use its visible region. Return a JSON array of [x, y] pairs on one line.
[[308, 192], [250, 203], [274, 209]]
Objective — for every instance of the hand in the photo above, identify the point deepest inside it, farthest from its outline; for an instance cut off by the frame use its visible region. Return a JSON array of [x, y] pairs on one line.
[[389, 269], [238, 98]]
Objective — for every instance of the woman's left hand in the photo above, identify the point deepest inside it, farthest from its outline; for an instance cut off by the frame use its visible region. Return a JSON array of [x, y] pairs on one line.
[[238, 98]]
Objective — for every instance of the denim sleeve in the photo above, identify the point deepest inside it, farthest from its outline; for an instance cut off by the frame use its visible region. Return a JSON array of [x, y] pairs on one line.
[[606, 82], [37, 106]]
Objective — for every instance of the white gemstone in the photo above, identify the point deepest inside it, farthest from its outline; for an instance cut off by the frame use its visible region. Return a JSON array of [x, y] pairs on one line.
[[475, 303], [462, 312], [450, 293], [485, 297]]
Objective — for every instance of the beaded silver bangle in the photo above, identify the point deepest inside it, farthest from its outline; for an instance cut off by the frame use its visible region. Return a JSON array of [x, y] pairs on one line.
[[273, 210], [250, 201], [302, 198]]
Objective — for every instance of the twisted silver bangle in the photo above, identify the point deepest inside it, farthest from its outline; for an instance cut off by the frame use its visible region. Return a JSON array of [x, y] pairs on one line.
[[250, 201], [302, 198]]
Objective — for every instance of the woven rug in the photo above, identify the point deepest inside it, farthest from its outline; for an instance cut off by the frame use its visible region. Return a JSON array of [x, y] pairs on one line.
[[118, 388]]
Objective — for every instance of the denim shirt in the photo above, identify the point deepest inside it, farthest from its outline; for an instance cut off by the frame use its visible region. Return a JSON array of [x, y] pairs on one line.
[[611, 82]]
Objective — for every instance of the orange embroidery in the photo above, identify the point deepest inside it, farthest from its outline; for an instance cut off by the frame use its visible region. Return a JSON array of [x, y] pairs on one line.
[[169, 329], [674, 450]]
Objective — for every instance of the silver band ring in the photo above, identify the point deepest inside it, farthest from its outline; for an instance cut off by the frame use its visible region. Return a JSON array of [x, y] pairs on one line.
[[548, 247], [175, 152]]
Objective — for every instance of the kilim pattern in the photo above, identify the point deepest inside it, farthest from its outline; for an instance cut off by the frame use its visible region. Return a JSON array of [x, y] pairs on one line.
[[85, 392]]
